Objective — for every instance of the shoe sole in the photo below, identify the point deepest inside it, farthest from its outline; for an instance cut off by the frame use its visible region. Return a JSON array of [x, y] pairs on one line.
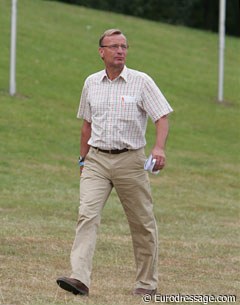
[[70, 288]]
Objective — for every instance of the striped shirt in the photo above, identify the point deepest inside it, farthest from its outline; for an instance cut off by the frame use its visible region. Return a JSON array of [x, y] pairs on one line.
[[118, 110]]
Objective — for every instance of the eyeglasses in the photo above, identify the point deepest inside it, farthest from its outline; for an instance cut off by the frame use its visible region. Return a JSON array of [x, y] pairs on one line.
[[115, 47]]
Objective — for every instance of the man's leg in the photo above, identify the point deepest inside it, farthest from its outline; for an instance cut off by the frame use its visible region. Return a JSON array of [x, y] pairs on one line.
[[133, 187], [95, 188]]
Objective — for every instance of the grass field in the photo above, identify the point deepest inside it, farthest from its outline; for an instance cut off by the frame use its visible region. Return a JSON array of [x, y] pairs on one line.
[[196, 197]]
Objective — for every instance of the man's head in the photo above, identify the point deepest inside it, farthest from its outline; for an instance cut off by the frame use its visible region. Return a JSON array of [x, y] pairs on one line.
[[113, 48]]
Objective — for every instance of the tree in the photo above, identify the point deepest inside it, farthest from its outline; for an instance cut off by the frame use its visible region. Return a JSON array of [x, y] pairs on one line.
[[203, 14]]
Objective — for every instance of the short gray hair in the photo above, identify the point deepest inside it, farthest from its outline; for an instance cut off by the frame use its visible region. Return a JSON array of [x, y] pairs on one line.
[[108, 33]]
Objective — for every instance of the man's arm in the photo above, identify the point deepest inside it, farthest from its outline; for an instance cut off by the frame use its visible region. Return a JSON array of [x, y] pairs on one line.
[[161, 138], [85, 136]]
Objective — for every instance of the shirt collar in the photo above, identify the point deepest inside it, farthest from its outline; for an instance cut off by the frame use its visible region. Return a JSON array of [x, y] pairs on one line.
[[122, 75]]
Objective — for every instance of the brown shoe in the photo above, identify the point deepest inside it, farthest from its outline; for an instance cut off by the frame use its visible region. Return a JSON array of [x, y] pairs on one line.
[[142, 291], [72, 285]]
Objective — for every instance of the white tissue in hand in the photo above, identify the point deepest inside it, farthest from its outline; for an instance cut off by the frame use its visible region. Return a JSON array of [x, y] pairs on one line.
[[149, 165]]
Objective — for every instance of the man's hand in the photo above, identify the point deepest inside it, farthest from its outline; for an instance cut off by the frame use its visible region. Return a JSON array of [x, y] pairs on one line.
[[160, 157], [81, 169]]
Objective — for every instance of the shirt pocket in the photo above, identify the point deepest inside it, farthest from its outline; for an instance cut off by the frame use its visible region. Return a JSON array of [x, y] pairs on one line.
[[128, 107]]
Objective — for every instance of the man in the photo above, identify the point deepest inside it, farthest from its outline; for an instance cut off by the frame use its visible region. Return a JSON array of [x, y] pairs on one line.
[[115, 104]]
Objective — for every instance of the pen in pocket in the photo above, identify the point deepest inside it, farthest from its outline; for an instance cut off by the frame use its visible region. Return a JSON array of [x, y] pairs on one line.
[[122, 101]]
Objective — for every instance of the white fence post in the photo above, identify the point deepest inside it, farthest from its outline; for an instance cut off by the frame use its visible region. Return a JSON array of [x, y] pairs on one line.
[[222, 16], [12, 89]]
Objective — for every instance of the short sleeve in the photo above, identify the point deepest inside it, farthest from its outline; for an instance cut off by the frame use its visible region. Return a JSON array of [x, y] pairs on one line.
[[153, 101], [84, 110]]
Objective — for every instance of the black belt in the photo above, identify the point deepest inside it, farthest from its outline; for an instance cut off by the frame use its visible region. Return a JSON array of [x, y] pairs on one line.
[[112, 151]]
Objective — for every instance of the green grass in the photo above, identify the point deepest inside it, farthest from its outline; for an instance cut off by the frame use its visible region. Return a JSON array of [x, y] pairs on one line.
[[196, 196]]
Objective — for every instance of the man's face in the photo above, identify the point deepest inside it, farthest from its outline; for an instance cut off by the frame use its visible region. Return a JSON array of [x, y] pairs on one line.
[[114, 51]]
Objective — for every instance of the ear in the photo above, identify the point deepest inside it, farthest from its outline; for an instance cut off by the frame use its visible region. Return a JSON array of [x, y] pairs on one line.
[[101, 52]]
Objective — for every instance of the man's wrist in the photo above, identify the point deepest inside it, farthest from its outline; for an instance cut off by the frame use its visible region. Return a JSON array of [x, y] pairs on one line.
[[81, 161], [159, 147]]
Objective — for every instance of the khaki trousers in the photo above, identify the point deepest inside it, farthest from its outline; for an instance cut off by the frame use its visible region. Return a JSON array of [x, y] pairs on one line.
[[102, 172]]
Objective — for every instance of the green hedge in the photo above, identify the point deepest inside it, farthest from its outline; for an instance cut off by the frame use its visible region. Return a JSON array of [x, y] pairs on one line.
[[202, 14]]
